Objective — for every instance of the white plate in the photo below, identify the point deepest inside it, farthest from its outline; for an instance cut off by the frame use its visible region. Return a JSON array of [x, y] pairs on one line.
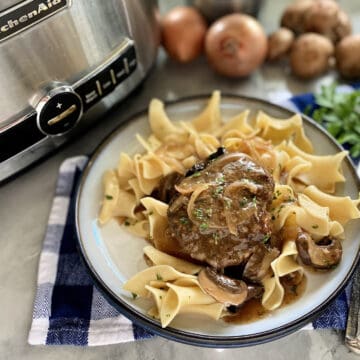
[[113, 255]]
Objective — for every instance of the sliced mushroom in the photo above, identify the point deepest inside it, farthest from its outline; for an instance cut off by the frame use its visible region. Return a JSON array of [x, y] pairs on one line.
[[323, 255], [254, 292], [293, 278], [165, 191], [222, 288], [259, 263]]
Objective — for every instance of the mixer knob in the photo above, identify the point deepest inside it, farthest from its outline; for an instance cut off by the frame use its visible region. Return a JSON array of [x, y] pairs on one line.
[[59, 111]]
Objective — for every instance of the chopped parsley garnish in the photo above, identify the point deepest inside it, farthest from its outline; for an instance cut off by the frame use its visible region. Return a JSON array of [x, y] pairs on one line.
[[127, 223], [228, 203], [243, 201], [275, 212], [266, 238], [218, 190], [196, 174], [159, 277], [220, 179], [134, 295], [216, 238], [198, 213], [184, 220], [315, 226], [204, 226], [277, 194], [108, 197]]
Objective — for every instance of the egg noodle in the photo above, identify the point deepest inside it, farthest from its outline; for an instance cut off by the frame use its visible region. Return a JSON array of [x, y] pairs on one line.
[[303, 196]]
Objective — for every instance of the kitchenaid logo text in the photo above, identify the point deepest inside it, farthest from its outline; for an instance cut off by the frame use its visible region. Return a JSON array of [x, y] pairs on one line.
[[27, 13]]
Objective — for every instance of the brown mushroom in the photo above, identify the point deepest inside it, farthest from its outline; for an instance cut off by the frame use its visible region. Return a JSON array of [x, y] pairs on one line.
[[293, 16], [165, 190], [348, 56], [343, 27], [255, 292], [259, 263], [222, 288], [325, 17], [322, 255], [321, 16], [310, 55], [279, 43]]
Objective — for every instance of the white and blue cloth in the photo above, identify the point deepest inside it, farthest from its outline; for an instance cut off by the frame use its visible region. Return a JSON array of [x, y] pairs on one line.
[[68, 308]]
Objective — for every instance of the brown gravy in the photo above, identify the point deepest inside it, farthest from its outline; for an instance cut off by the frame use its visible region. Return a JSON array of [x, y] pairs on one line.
[[252, 310]]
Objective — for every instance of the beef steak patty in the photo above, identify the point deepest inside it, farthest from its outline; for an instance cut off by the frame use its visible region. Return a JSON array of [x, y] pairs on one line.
[[220, 214]]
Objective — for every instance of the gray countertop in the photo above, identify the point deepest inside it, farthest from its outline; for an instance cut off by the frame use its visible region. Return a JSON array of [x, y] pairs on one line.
[[26, 201]]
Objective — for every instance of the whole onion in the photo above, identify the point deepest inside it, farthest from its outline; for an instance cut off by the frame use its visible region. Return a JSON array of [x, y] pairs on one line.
[[236, 45]]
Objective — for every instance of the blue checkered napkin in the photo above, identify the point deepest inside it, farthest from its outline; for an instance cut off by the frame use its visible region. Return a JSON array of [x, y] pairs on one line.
[[69, 310]]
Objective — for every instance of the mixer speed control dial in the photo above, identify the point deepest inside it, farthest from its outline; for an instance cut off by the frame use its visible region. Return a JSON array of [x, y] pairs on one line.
[[59, 111]]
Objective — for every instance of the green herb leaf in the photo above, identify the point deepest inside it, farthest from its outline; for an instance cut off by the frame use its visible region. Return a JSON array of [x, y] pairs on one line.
[[220, 179], [218, 190], [266, 238], [184, 220], [339, 113], [228, 203], [198, 213], [203, 226], [243, 201], [108, 197], [209, 212]]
